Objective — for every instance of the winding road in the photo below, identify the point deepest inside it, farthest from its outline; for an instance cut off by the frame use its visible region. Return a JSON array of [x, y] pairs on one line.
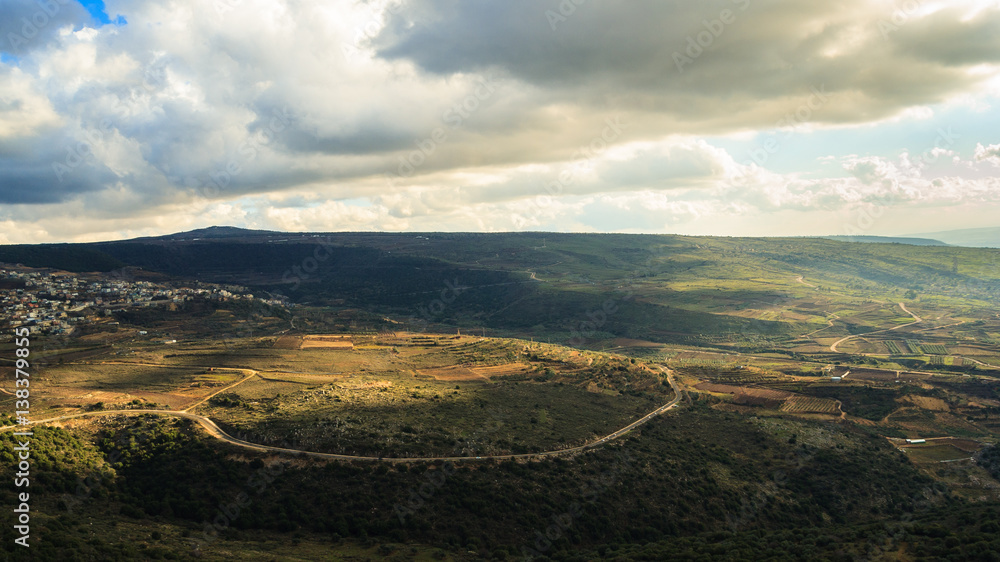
[[829, 324], [215, 431], [916, 320]]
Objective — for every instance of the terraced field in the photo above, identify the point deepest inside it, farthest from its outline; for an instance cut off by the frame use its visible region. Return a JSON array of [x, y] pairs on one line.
[[810, 405], [933, 348]]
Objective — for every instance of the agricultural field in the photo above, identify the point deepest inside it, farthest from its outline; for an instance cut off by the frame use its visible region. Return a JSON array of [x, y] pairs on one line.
[[810, 405], [750, 399], [327, 342], [771, 399], [886, 376], [934, 348], [740, 375], [754, 331], [70, 387], [965, 411], [934, 453]]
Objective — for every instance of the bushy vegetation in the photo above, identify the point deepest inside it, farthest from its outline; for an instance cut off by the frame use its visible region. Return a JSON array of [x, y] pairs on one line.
[[989, 458], [683, 476], [664, 288], [740, 479]]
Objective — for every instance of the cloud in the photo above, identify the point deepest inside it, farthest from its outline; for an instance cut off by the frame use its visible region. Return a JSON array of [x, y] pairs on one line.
[[989, 154], [28, 25], [726, 63], [467, 115]]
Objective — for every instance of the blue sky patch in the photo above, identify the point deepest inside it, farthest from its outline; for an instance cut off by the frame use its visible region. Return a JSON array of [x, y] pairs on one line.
[[97, 11]]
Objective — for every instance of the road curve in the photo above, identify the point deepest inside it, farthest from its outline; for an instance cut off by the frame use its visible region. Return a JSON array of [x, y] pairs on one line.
[[215, 431], [916, 320]]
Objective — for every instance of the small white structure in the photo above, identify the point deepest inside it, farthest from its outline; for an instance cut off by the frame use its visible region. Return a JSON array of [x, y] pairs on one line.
[[834, 379], [916, 441]]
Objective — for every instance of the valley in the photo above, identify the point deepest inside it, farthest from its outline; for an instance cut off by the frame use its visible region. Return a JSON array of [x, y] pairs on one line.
[[726, 392]]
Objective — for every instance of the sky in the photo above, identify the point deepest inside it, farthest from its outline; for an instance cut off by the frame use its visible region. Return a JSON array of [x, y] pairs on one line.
[[131, 118]]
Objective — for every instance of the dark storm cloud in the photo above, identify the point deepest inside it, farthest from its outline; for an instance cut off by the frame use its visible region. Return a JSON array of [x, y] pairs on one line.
[[699, 61], [26, 25], [950, 40], [50, 178], [462, 114]]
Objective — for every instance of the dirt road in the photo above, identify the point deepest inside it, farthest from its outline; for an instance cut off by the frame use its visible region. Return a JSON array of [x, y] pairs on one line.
[[916, 320], [215, 431]]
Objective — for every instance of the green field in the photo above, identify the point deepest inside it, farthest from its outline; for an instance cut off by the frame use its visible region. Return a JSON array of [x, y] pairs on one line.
[[766, 454], [936, 453]]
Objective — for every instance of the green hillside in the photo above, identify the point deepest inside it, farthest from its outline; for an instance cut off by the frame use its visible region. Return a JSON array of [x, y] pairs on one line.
[[663, 288]]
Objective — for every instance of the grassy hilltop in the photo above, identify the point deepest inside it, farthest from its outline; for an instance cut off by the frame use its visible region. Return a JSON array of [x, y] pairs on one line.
[[835, 401]]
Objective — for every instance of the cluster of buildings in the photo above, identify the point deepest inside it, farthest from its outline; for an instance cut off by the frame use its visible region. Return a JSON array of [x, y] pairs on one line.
[[55, 303]]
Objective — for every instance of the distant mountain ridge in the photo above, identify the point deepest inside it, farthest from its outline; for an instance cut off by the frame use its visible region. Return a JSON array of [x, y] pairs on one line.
[[970, 237], [218, 232], [537, 283], [913, 241]]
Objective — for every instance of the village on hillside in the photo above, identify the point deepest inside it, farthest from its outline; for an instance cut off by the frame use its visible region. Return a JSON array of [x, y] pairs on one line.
[[52, 302]]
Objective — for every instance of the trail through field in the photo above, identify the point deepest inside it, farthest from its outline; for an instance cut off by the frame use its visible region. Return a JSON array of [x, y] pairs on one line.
[[215, 431], [978, 362], [829, 322], [939, 327], [916, 320], [801, 280], [250, 373]]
